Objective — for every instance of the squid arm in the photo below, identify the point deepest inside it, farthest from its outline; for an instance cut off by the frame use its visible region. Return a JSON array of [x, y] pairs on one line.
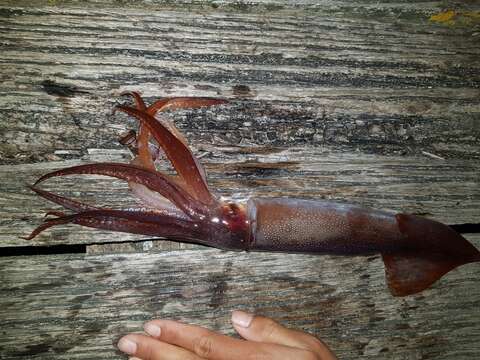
[[136, 222], [152, 180], [179, 155], [147, 153], [144, 150]]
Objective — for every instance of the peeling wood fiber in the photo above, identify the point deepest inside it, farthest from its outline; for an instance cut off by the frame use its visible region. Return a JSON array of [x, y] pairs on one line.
[[369, 102]]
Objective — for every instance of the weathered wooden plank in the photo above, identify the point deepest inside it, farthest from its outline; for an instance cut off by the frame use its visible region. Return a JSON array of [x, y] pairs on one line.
[[376, 76], [76, 306], [447, 190], [315, 86]]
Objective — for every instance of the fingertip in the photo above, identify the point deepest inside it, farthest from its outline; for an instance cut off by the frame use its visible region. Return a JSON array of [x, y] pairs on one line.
[[262, 329], [152, 329], [127, 345], [242, 318]]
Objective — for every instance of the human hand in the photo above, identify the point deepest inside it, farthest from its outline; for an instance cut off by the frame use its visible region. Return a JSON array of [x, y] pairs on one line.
[[265, 339]]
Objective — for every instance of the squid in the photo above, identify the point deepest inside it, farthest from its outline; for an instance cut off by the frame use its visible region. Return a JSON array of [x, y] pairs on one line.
[[416, 251]]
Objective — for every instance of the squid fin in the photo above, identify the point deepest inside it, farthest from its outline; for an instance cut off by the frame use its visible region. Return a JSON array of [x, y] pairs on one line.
[[430, 250], [408, 274]]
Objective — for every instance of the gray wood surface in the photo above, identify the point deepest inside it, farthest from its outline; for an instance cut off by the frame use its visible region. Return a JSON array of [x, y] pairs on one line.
[[370, 102], [446, 190], [76, 306], [375, 76]]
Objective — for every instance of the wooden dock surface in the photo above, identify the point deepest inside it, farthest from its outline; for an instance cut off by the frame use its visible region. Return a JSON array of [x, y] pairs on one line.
[[375, 103]]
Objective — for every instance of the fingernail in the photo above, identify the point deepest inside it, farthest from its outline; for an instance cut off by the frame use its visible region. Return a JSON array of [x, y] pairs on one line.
[[152, 329], [127, 346], [242, 318]]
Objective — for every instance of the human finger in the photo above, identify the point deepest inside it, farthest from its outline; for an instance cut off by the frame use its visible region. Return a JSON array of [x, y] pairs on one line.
[[148, 348], [213, 346], [265, 330]]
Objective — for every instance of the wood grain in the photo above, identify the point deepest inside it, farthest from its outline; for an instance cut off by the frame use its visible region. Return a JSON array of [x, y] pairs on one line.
[[446, 190], [375, 76], [77, 307], [370, 102]]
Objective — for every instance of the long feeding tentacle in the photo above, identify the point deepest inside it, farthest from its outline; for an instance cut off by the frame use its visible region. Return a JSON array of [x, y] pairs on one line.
[[65, 202], [163, 208], [153, 180], [137, 222], [45, 226], [144, 215]]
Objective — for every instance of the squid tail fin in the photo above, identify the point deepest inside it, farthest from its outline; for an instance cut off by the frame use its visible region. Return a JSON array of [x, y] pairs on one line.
[[411, 273], [432, 250]]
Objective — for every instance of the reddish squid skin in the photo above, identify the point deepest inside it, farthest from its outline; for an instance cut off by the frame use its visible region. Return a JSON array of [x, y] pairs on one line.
[[316, 227], [416, 251], [320, 227]]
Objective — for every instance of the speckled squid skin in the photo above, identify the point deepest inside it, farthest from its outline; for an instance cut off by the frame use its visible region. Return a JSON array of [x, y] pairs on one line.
[[304, 226]]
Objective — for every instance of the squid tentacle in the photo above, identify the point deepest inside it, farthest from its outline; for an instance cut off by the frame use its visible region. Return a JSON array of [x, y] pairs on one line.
[[183, 103], [149, 197], [53, 213], [47, 224], [180, 155], [145, 156], [138, 99], [166, 208], [153, 180], [173, 103], [143, 215], [161, 105], [137, 222], [63, 201], [142, 139]]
